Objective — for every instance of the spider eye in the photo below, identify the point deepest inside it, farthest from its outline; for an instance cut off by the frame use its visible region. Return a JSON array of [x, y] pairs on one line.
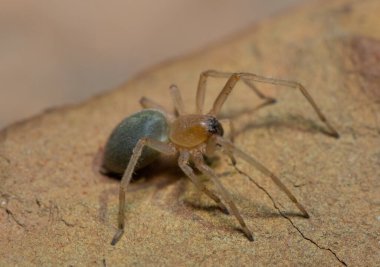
[[214, 126]]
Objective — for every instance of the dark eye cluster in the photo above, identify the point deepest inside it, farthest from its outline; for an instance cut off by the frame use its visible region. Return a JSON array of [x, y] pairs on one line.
[[214, 126]]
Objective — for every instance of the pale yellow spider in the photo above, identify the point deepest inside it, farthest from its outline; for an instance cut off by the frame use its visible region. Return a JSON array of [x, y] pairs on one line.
[[138, 140]]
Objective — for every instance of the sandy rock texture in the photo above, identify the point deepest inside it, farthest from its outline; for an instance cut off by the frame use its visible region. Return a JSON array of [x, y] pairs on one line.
[[57, 209]]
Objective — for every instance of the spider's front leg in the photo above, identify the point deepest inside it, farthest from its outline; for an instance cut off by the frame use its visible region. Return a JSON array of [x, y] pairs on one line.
[[227, 146], [247, 77], [206, 170], [201, 91]]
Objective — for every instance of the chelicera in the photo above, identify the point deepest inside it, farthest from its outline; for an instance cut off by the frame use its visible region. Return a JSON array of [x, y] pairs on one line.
[[139, 139]]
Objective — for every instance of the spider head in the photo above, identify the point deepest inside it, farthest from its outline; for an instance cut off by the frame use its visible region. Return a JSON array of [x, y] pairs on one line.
[[214, 126]]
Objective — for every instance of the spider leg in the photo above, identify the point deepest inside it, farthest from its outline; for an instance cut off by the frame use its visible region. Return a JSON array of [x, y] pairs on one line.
[[249, 159], [125, 180], [198, 160], [183, 161], [148, 103], [177, 99], [234, 78], [201, 91], [212, 145]]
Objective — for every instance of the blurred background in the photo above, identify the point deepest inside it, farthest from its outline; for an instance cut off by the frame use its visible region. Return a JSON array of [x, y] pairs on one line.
[[58, 52]]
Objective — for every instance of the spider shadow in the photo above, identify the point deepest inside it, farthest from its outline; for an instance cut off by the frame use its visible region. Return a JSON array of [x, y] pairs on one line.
[[158, 175], [266, 214], [165, 171], [230, 225], [263, 212], [161, 173], [202, 207], [270, 214], [294, 122], [290, 121]]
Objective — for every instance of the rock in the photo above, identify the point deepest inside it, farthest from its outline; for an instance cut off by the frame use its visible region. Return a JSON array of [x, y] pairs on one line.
[[57, 209]]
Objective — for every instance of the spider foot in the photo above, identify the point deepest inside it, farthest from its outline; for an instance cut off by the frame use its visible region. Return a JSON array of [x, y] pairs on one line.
[[248, 234], [117, 236], [223, 208]]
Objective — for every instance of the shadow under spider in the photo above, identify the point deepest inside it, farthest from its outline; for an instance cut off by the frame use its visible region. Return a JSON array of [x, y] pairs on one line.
[[262, 212], [294, 122], [188, 207], [165, 171], [162, 172]]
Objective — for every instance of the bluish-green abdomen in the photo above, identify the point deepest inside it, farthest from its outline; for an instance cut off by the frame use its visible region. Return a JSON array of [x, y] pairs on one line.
[[118, 150]]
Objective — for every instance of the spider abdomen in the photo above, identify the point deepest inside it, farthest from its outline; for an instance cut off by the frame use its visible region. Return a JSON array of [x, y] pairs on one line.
[[118, 150]]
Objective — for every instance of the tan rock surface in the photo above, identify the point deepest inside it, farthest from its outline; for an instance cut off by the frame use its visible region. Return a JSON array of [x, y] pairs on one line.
[[57, 209]]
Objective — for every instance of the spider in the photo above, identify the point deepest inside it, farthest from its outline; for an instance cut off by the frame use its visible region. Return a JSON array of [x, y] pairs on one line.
[[138, 140]]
